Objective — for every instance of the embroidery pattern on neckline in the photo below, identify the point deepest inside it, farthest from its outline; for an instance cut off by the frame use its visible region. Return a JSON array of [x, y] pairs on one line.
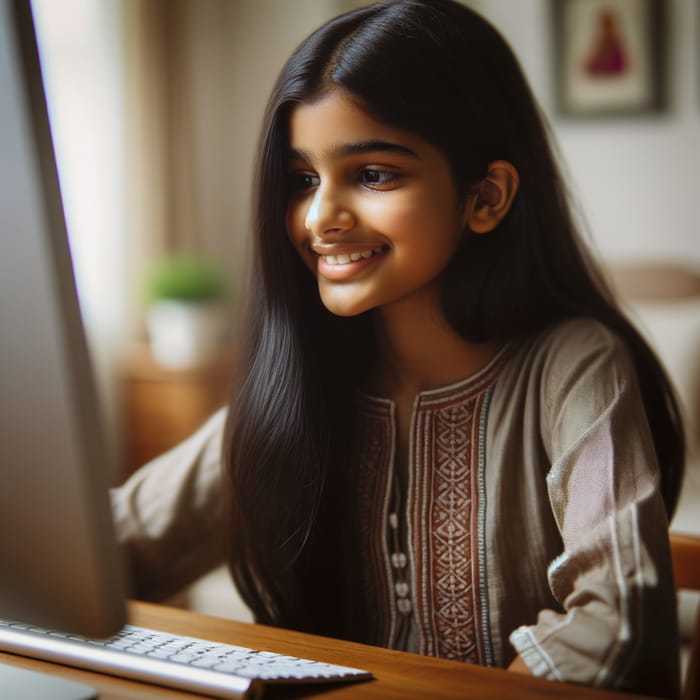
[[443, 518]]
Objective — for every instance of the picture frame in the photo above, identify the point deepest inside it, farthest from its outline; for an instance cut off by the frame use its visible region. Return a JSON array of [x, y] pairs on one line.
[[609, 57]]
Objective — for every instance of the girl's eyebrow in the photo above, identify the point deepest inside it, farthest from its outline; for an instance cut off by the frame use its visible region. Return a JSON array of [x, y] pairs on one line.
[[350, 149]]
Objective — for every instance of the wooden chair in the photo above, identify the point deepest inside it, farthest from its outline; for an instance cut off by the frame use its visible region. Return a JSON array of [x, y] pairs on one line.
[[685, 553]]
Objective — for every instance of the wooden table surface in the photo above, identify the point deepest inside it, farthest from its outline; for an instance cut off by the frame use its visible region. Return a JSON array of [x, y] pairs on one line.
[[398, 675]]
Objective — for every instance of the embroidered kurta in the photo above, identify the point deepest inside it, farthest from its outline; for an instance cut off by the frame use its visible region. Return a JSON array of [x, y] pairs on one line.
[[532, 522]]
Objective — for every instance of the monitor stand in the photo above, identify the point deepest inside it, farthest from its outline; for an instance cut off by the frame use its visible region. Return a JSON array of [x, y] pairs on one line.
[[21, 684]]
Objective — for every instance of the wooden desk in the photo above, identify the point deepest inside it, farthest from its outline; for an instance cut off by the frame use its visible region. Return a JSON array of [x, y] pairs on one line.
[[399, 676]]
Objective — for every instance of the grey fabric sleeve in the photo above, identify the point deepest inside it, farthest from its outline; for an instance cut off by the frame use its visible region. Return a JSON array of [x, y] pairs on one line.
[[169, 515], [613, 578]]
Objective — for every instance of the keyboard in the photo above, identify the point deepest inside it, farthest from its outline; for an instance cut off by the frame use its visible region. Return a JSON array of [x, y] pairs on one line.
[[175, 661]]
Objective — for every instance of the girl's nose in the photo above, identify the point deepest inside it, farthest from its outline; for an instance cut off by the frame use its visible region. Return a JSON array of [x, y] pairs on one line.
[[328, 213]]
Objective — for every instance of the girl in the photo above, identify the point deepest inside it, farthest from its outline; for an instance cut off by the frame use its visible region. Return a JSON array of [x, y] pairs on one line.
[[445, 436]]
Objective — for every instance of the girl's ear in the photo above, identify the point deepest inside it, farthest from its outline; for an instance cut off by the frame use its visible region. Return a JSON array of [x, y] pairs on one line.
[[491, 199]]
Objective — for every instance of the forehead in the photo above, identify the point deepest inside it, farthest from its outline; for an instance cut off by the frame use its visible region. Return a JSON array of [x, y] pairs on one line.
[[334, 120]]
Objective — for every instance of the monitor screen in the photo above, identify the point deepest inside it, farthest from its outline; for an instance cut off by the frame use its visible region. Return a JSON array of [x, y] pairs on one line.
[[59, 563]]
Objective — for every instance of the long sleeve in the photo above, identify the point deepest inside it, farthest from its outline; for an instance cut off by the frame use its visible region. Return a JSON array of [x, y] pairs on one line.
[[617, 622], [169, 515]]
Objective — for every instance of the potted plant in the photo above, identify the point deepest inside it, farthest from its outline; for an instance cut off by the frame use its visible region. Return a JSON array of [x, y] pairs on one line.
[[186, 310]]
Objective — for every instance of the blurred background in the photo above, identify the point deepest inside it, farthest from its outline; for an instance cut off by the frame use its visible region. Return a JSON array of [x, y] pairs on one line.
[[156, 105]]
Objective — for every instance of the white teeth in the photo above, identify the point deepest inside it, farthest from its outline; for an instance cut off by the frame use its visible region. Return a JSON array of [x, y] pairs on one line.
[[345, 258]]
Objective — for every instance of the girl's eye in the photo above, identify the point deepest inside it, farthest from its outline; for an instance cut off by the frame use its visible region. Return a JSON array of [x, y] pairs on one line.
[[301, 181], [374, 177]]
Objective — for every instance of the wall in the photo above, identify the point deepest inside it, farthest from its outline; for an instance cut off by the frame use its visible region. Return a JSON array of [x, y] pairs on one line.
[[637, 178]]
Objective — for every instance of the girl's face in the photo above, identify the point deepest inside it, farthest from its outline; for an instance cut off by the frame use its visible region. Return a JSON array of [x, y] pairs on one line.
[[373, 210]]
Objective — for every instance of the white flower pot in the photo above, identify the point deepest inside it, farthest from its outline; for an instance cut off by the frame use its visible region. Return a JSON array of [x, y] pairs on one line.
[[183, 335]]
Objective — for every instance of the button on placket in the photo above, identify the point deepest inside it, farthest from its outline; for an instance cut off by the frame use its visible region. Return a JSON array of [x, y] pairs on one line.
[[399, 560]]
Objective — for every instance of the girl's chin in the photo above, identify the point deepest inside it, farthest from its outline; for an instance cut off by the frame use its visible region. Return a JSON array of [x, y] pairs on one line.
[[343, 303], [346, 311]]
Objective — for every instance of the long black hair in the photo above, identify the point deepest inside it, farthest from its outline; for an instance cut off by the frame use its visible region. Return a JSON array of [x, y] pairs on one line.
[[438, 70]]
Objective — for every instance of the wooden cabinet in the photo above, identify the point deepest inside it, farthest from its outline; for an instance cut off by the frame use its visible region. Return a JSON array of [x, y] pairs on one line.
[[162, 407]]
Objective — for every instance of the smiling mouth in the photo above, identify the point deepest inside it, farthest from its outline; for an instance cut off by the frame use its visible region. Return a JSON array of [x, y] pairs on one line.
[[347, 258]]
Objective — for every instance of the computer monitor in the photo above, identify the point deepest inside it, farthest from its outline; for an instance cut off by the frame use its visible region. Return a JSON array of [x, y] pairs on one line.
[[59, 563]]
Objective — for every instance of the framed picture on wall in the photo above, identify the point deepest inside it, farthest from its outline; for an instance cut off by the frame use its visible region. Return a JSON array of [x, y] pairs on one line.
[[609, 56]]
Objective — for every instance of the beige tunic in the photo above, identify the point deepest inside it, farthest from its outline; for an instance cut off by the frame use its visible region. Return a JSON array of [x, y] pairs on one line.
[[534, 523]]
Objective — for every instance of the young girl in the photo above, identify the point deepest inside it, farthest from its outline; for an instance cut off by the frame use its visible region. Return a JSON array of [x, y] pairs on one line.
[[445, 437]]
